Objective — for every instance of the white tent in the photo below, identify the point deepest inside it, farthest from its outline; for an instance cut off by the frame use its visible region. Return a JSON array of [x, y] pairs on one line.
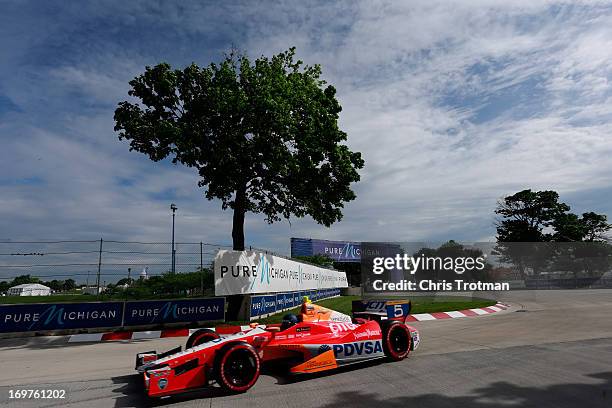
[[29, 289]]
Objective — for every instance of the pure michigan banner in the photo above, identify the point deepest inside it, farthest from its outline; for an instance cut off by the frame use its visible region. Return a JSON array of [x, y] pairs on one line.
[[65, 316], [243, 272]]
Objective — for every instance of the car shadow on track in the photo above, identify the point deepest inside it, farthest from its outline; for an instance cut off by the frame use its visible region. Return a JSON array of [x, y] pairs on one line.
[[494, 395], [131, 389], [131, 393], [282, 376], [42, 343]]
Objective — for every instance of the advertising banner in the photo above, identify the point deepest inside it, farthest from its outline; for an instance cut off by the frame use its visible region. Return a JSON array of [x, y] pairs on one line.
[[243, 272], [174, 311], [267, 304], [64, 316], [59, 316], [339, 251]]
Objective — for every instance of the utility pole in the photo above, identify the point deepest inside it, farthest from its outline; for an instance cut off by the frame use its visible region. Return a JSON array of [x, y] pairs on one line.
[[201, 272], [128, 282], [173, 207], [99, 266]]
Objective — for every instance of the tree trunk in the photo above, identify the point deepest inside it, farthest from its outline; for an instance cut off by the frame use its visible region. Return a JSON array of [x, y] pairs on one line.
[[238, 221], [234, 302]]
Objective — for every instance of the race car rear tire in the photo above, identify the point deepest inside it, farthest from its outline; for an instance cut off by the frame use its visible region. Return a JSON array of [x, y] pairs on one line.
[[200, 337], [396, 340], [237, 367]]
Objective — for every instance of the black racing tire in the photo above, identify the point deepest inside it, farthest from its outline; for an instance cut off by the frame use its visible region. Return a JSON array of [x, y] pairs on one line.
[[200, 337], [396, 340], [237, 367]]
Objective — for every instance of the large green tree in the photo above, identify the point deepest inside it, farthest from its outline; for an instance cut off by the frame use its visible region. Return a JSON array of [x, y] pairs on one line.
[[23, 279], [531, 220], [525, 215], [263, 135]]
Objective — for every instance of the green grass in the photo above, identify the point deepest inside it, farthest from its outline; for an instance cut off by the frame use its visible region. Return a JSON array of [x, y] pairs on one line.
[[420, 304], [79, 297], [63, 298]]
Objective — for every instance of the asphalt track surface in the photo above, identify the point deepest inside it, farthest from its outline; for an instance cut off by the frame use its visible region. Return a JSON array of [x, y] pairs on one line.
[[551, 349]]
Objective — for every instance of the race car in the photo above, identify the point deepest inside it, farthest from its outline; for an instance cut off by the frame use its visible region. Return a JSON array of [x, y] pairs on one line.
[[318, 339]]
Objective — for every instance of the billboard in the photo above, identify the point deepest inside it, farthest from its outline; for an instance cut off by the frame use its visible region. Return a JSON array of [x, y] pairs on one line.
[[340, 251], [173, 311], [243, 272], [59, 316], [88, 315]]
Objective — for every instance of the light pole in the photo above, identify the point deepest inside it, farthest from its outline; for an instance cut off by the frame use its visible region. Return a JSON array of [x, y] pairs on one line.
[[128, 283], [173, 207]]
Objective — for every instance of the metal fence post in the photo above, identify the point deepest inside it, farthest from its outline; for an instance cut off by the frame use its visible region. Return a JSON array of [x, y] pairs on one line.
[[99, 266], [201, 271], [128, 283]]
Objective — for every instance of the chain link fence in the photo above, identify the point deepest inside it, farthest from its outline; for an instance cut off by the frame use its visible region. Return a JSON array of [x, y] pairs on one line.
[[82, 266]]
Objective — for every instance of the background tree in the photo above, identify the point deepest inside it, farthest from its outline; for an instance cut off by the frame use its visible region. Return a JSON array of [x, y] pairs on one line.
[[20, 280], [525, 218], [531, 221], [125, 281], [595, 227], [526, 214], [56, 285], [263, 135], [69, 284]]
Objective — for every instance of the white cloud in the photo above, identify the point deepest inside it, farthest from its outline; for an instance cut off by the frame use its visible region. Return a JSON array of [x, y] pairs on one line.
[[452, 105]]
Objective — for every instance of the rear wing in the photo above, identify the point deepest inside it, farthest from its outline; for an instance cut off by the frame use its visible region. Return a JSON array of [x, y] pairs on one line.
[[382, 309]]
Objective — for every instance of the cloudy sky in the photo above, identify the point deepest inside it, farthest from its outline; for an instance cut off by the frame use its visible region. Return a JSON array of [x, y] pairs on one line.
[[453, 106]]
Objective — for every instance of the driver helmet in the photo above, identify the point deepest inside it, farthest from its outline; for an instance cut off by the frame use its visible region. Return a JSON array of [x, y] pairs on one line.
[[288, 320]]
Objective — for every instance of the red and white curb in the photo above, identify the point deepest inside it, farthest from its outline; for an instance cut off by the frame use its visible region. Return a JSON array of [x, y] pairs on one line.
[[158, 334], [420, 317]]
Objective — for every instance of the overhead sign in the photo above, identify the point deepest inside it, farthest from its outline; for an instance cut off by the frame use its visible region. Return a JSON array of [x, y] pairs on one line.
[[242, 272]]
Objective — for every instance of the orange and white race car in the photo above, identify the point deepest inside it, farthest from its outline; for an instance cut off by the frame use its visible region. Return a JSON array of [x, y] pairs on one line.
[[318, 339]]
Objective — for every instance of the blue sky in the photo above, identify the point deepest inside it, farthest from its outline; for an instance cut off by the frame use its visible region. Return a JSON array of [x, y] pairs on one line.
[[453, 106]]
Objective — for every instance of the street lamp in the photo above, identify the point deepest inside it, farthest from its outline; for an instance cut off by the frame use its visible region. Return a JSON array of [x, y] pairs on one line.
[[173, 207]]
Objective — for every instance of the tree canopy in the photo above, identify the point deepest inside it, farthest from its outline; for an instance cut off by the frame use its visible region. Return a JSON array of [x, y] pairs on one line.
[[263, 135], [531, 221], [538, 216]]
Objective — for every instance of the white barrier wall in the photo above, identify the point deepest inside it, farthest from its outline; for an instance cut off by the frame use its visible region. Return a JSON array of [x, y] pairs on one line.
[[243, 272]]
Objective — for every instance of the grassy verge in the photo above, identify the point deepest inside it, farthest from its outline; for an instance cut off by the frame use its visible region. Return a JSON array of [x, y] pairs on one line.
[[79, 297], [63, 298], [421, 304]]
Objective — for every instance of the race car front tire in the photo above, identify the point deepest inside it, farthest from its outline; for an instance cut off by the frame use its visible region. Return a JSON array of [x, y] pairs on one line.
[[396, 340], [200, 337], [237, 367]]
